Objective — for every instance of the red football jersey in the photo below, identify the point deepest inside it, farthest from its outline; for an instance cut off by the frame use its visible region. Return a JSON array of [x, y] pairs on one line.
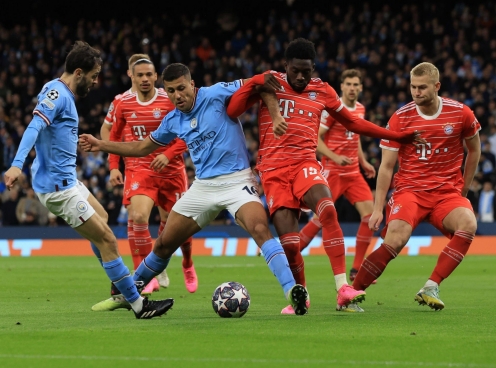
[[140, 119], [342, 142], [302, 112], [110, 119], [438, 162]]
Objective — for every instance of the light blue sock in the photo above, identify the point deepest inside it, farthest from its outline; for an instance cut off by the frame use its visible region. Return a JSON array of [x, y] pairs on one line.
[[151, 266], [97, 253], [119, 274], [278, 263]]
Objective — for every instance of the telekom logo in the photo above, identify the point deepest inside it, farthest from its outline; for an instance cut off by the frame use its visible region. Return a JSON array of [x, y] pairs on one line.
[[139, 131]]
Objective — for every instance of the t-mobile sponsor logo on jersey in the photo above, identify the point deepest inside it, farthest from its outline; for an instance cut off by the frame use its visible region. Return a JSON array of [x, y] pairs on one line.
[[202, 142], [288, 107], [139, 131]]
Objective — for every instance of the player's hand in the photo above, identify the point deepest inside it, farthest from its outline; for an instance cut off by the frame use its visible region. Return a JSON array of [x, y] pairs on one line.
[[411, 137], [11, 176], [116, 178], [271, 84], [368, 169], [343, 160], [279, 126], [89, 143], [375, 220], [465, 191], [159, 163]]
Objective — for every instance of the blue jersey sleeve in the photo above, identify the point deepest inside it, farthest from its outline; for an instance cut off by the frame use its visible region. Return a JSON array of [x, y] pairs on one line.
[[28, 140], [163, 135], [224, 90], [50, 102]]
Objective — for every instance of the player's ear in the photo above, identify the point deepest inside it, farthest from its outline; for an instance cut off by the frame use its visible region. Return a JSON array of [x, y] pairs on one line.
[[192, 83]]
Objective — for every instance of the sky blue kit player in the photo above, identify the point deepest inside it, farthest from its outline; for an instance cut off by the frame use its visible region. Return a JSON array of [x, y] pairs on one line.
[[54, 133], [224, 178], [215, 142]]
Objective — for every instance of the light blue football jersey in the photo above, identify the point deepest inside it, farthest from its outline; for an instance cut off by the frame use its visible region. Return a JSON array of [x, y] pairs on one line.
[[216, 143], [55, 121]]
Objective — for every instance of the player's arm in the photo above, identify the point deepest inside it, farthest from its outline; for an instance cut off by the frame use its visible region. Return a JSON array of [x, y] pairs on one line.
[[326, 151], [386, 170], [366, 166], [246, 96], [115, 135], [364, 127], [471, 161], [27, 142], [105, 131], [127, 149], [178, 147]]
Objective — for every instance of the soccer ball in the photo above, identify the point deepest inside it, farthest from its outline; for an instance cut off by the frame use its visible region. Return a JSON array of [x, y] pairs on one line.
[[231, 299]]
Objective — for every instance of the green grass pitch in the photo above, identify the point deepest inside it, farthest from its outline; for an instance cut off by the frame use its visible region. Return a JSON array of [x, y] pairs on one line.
[[46, 318]]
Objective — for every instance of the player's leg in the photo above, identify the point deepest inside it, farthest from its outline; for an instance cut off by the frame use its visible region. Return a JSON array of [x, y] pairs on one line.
[[363, 236], [318, 198], [284, 210], [455, 218], [163, 278], [75, 208], [190, 213], [312, 228], [251, 217], [406, 213]]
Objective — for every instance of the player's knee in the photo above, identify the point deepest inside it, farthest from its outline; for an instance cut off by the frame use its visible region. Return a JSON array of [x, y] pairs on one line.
[[327, 212], [260, 228], [398, 233], [467, 222], [140, 217]]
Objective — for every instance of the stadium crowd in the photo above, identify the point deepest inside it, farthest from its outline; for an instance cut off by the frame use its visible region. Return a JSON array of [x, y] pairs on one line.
[[383, 42]]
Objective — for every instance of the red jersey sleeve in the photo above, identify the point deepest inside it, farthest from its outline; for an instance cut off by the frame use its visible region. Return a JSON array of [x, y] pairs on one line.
[[393, 126], [470, 123], [326, 121], [175, 149], [116, 136]]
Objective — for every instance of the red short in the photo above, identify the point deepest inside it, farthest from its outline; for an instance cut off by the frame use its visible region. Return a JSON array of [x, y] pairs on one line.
[[432, 206], [353, 187], [165, 192], [285, 187]]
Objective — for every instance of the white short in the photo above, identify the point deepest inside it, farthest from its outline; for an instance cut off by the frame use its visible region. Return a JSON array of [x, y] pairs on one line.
[[70, 204], [206, 198]]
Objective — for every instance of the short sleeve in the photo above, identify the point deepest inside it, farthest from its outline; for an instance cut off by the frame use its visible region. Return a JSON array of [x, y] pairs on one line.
[[50, 103], [393, 126], [326, 121], [332, 101], [224, 90], [163, 135], [109, 118], [470, 123]]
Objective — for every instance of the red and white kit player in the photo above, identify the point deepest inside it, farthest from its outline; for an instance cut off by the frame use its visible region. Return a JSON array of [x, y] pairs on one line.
[[158, 179], [342, 157], [289, 171], [429, 184]]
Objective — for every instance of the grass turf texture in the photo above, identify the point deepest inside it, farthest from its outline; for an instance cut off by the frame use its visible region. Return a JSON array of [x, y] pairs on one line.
[[46, 318]]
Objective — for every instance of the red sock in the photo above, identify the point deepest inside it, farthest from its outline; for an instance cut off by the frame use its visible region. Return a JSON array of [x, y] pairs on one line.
[[332, 235], [373, 266], [132, 245], [143, 240], [161, 227], [452, 255], [291, 245], [308, 232], [186, 249], [363, 238]]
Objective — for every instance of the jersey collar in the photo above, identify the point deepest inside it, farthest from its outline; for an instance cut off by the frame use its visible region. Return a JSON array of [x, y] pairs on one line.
[[67, 86]]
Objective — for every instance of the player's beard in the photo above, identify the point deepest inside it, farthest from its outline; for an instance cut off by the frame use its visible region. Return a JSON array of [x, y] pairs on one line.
[[82, 88]]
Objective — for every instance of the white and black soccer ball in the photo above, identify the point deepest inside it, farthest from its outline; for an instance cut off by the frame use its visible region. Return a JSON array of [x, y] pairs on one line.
[[231, 299]]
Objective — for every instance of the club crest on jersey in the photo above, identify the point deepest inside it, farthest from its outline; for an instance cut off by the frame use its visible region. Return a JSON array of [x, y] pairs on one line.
[[157, 113], [53, 94], [194, 123], [448, 128], [82, 206], [134, 185], [312, 95], [396, 208]]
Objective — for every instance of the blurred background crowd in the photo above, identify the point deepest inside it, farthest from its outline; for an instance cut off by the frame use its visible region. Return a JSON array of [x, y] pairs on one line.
[[382, 39]]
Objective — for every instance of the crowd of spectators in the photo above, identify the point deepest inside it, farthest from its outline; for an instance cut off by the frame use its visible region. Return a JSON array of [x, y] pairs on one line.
[[383, 41]]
